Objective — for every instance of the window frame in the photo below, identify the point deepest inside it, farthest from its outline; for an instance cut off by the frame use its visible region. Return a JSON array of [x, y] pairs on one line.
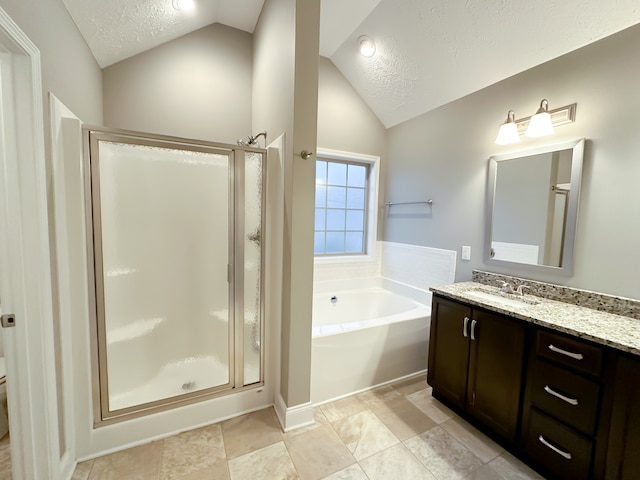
[[371, 203]]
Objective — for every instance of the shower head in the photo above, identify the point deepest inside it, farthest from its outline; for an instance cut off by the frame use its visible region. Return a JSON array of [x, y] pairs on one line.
[[252, 140]]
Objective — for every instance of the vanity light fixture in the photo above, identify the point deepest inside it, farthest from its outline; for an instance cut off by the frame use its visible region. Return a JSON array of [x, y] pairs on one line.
[[508, 132], [536, 125], [184, 5], [367, 46], [540, 124]]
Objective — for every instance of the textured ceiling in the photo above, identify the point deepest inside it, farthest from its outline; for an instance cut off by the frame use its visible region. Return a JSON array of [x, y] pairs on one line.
[[429, 52], [118, 29]]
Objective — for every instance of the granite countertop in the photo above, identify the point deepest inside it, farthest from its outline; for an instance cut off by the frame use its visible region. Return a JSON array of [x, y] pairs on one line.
[[617, 331]]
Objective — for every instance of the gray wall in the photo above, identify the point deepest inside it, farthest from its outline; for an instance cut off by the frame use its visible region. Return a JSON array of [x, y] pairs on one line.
[[346, 123], [443, 154], [68, 67], [197, 86], [522, 193], [286, 44]]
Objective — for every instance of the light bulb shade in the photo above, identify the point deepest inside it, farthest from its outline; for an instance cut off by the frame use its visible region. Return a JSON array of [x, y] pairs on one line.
[[540, 124], [184, 5], [508, 132], [367, 46]]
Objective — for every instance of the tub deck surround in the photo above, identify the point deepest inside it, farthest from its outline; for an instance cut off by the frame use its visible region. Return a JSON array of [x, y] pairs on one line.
[[377, 331], [346, 305], [614, 330]]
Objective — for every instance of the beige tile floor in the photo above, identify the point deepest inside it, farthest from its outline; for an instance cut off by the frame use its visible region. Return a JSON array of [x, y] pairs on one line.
[[5, 458], [398, 431]]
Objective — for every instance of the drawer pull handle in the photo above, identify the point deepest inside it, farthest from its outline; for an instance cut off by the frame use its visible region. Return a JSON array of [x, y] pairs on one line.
[[473, 329], [569, 400], [464, 327], [546, 443], [577, 356]]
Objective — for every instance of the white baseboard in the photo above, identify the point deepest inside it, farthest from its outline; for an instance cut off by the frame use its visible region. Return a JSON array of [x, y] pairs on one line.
[[294, 417]]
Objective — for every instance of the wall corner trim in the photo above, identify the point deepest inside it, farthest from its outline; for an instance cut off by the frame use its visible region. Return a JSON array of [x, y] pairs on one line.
[[293, 417]]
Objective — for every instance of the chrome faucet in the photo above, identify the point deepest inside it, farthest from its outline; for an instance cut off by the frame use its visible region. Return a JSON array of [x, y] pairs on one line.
[[507, 288]]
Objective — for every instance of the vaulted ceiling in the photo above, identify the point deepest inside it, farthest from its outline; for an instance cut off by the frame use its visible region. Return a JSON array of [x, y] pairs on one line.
[[428, 52]]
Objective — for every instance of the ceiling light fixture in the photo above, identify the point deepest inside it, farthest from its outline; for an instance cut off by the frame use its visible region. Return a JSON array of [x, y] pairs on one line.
[[184, 5], [536, 125], [540, 124], [508, 132], [367, 46]]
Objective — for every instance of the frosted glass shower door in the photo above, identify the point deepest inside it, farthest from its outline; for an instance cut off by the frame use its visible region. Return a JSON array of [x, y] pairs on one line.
[[162, 253], [252, 294]]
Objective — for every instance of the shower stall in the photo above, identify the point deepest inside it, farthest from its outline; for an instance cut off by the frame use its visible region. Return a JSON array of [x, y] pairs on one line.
[[177, 248]]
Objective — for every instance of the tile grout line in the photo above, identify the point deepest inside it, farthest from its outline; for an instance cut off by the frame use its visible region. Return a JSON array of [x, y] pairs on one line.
[[286, 447]]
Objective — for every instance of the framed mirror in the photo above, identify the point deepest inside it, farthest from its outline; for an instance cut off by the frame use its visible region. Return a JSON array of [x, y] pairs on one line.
[[533, 199]]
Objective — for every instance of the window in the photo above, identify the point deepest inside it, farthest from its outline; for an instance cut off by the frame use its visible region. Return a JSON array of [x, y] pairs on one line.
[[342, 206]]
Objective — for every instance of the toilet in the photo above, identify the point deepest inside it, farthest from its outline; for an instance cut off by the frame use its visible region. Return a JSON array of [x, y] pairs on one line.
[[4, 420]]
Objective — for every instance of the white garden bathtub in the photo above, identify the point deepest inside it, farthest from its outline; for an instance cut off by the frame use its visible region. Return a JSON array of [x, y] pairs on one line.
[[374, 331]]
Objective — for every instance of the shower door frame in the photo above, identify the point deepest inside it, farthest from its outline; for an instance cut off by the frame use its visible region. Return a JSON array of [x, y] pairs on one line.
[[235, 276]]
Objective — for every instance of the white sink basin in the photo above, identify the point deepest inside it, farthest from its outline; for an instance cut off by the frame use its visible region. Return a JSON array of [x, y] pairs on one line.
[[504, 300]]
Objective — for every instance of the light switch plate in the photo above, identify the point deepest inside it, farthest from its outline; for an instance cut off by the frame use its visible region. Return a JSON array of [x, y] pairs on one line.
[[466, 253]]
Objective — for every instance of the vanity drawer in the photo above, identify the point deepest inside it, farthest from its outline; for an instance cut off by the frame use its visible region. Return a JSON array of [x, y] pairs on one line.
[[557, 447], [569, 397], [576, 354]]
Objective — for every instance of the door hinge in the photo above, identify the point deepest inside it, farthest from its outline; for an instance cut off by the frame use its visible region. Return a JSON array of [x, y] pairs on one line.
[[8, 320]]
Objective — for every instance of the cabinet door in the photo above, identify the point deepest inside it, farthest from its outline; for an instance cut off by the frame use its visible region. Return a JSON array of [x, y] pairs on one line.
[[495, 371], [623, 459], [449, 350]]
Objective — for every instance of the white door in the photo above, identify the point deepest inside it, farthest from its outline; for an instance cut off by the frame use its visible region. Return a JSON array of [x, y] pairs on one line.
[[25, 272]]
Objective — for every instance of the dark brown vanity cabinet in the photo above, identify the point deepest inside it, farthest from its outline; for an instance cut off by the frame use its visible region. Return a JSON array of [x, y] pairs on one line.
[[563, 427], [476, 362], [623, 456], [568, 406]]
